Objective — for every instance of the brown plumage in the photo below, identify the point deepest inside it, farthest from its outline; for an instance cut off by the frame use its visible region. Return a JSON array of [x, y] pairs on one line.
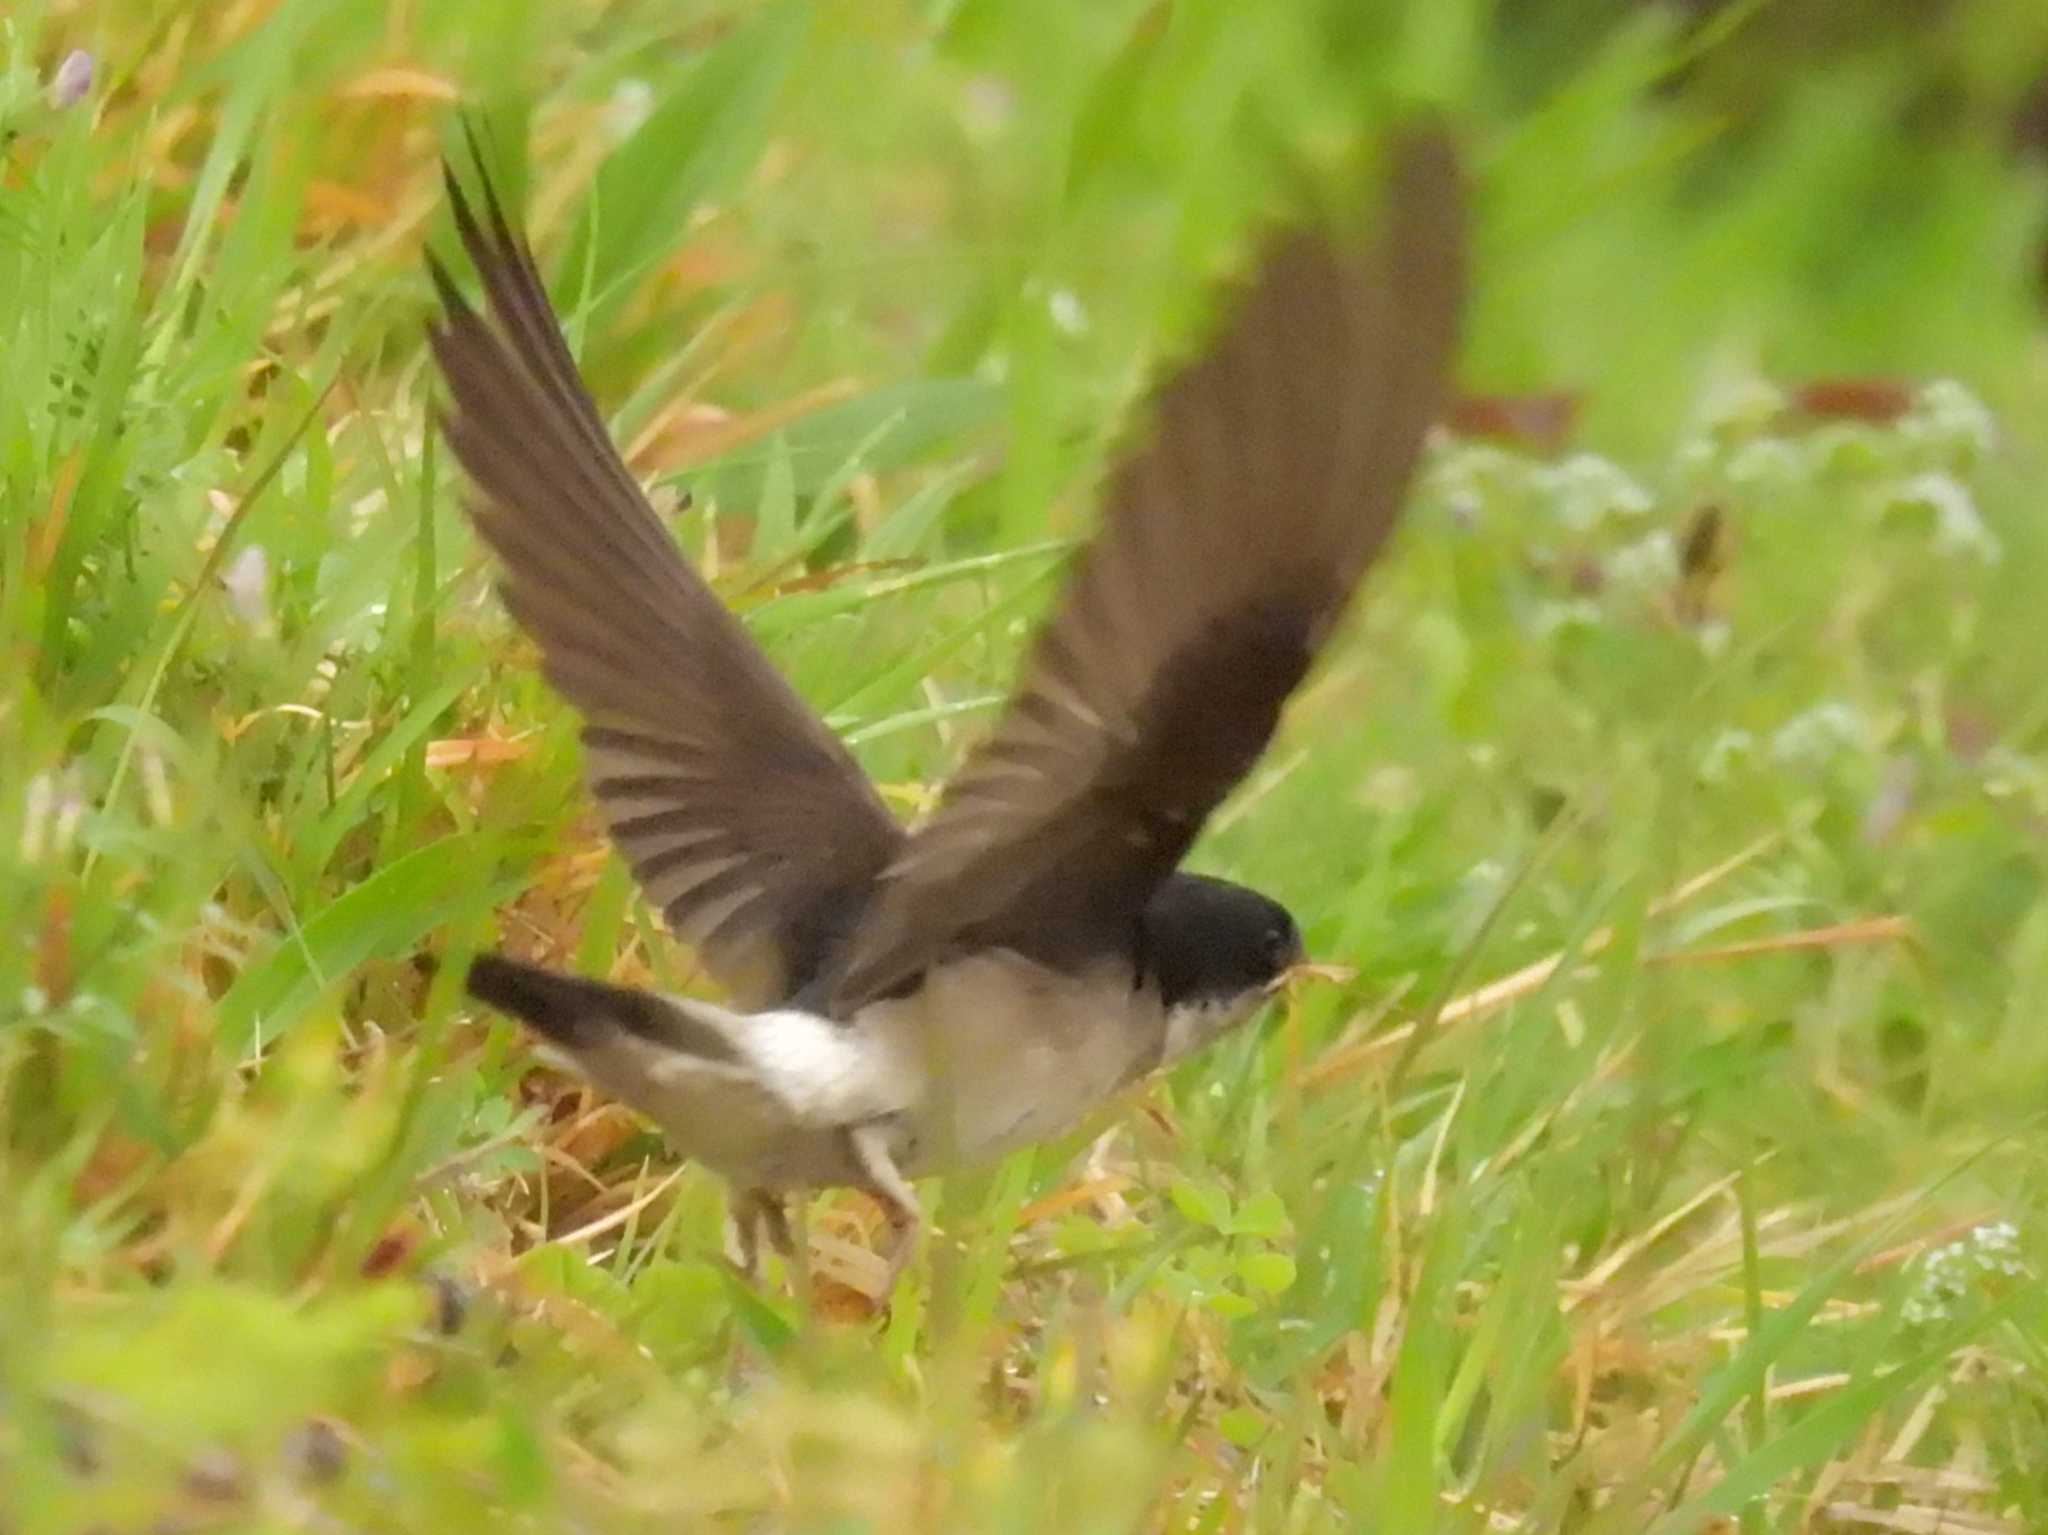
[[910, 1001], [1232, 537], [742, 816], [1231, 540]]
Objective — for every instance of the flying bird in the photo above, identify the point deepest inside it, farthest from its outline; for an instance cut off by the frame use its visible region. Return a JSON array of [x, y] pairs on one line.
[[908, 1000]]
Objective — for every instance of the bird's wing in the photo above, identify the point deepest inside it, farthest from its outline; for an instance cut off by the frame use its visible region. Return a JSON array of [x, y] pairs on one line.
[[1231, 540], [742, 816]]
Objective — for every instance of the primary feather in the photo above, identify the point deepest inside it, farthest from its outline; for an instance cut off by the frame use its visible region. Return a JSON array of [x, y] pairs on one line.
[[1232, 539], [742, 816]]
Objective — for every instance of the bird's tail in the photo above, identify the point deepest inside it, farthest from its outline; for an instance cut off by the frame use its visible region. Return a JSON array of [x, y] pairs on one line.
[[583, 1017], [676, 1059]]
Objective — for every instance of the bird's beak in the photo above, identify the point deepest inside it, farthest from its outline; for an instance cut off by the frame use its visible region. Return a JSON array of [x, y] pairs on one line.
[[1308, 970]]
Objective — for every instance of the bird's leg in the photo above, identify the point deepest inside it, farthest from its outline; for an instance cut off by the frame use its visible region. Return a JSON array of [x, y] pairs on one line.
[[753, 1212], [870, 1147], [742, 1238], [796, 1248], [773, 1215]]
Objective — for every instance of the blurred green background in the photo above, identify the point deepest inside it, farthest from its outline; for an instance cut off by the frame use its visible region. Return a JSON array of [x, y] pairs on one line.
[[1705, 678]]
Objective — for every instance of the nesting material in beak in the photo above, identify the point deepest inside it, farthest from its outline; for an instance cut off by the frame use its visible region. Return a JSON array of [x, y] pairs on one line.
[[1308, 970]]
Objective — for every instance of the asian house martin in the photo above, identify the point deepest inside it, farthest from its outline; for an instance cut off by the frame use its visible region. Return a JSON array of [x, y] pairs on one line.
[[905, 1000]]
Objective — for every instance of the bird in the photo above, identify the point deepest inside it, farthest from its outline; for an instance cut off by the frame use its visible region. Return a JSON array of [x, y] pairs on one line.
[[905, 1000]]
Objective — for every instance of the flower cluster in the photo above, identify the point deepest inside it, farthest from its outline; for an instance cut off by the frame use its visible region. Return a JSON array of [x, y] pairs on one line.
[[1982, 1261]]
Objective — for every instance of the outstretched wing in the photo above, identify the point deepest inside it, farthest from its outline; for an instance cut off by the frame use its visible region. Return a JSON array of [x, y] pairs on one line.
[[1231, 541], [742, 816]]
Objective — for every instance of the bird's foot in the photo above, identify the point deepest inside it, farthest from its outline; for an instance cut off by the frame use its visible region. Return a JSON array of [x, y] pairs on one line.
[[897, 1198], [755, 1213]]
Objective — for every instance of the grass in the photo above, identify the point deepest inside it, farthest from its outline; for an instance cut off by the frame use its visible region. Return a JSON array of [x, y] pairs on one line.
[[1674, 1163]]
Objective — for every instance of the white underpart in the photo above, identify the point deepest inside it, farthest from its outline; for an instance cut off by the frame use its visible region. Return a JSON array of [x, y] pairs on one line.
[[828, 1073], [990, 1053], [1192, 1025]]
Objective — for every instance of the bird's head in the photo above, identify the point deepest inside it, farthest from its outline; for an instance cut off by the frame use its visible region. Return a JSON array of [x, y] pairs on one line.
[[1209, 940]]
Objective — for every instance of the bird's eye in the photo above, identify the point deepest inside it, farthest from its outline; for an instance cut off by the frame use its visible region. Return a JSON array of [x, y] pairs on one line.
[[1279, 945]]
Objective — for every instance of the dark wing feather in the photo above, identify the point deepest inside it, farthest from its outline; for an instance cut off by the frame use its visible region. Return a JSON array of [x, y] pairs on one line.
[[742, 816], [1230, 544]]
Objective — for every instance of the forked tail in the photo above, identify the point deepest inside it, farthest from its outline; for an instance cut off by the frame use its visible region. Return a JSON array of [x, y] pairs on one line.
[[582, 1015]]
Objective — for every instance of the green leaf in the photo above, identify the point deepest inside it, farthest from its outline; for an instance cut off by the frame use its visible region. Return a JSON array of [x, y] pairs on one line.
[[1204, 1203], [1106, 125], [1262, 1215], [710, 125], [1242, 1426], [1229, 1305], [765, 1324], [386, 914], [1268, 1271]]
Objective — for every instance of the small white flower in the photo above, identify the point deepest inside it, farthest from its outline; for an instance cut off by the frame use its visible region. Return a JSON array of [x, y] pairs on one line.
[[631, 104], [1586, 490], [1727, 751], [1650, 564], [1769, 463], [1067, 311], [1467, 476], [1695, 456], [246, 579], [1818, 736], [1740, 407], [1576, 613], [2007, 774], [1480, 887], [1948, 416], [1955, 1271], [1958, 530], [51, 817]]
